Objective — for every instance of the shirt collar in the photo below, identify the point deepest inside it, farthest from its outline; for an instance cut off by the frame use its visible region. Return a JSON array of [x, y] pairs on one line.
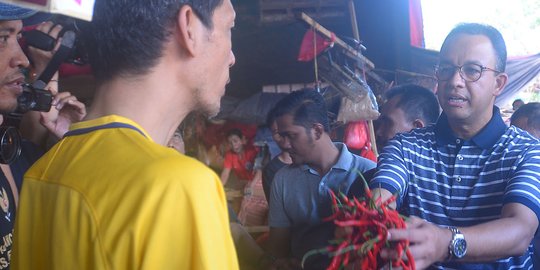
[[486, 138], [105, 122], [344, 161]]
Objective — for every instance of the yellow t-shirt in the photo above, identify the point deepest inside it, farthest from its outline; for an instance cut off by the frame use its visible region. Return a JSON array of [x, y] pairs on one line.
[[108, 197]]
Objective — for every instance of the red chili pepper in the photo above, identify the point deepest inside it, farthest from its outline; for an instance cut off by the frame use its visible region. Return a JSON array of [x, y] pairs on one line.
[[412, 264], [370, 220]]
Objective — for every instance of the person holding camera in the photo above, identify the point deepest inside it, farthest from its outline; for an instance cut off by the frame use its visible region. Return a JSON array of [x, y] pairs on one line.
[[111, 194], [18, 155]]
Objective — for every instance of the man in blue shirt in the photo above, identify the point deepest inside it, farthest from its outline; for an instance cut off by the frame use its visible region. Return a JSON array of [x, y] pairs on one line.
[[471, 182], [299, 192], [527, 117]]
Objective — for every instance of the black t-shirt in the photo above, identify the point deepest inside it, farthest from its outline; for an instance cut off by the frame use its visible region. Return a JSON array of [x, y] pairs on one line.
[[29, 154], [268, 175], [357, 188]]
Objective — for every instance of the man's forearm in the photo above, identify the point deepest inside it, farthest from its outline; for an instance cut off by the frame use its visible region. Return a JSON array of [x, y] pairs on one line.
[[501, 238]]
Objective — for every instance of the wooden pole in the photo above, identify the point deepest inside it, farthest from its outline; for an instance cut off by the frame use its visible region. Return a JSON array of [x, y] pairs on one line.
[[352, 12]]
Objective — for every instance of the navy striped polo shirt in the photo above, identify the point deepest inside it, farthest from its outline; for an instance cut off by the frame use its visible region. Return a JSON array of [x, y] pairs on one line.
[[449, 181]]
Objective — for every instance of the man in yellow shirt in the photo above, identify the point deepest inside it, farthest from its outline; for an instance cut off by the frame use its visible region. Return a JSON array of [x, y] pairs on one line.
[[111, 194]]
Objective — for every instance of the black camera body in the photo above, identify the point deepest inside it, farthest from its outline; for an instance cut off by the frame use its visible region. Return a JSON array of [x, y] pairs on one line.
[[34, 99]]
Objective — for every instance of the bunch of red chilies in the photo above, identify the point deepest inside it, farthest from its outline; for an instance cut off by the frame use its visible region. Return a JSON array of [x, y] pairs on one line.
[[370, 220]]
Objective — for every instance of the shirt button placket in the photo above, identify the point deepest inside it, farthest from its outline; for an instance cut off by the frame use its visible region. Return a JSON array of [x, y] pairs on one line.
[[458, 171]]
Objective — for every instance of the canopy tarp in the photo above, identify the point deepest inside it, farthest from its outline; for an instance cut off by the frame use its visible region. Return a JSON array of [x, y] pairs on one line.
[[521, 71]]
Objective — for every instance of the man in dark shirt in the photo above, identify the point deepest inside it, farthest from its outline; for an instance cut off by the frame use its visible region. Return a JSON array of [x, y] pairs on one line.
[[12, 61], [279, 161]]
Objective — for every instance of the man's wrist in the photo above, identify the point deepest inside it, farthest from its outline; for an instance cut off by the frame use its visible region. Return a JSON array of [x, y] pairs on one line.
[[447, 239], [457, 247]]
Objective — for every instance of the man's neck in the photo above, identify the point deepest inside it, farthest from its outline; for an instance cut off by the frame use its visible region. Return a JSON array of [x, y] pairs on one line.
[[156, 105], [328, 156], [285, 157], [466, 130]]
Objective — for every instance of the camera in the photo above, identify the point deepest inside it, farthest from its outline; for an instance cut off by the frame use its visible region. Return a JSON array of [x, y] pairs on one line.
[[43, 41], [34, 99]]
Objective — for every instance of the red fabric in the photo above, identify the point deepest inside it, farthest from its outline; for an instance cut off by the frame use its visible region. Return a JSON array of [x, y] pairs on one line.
[[416, 23], [241, 166], [307, 47]]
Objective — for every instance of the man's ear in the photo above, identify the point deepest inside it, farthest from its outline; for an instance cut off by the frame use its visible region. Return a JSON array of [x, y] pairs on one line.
[[418, 123], [501, 80], [187, 27], [317, 130]]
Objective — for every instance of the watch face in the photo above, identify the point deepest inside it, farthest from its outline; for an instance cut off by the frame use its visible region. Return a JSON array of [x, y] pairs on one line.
[[460, 248]]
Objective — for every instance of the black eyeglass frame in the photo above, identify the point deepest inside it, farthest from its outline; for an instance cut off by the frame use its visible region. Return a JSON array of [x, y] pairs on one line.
[[460, 71]]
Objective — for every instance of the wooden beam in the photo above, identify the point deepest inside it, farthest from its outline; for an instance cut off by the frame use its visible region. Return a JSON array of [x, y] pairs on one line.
[[288, 10]]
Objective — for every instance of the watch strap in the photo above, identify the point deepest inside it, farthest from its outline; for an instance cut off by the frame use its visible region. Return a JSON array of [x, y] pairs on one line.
[[451, 254]]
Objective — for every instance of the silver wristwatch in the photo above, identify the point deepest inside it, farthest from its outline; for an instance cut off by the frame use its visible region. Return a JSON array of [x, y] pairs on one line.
[[458, 246]]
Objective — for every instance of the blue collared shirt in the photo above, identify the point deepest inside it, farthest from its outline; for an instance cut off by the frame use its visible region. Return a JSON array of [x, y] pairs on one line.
[[450, 181], [300, 199]]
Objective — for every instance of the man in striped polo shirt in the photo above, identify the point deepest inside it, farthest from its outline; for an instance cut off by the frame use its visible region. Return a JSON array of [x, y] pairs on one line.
[[471, 182]]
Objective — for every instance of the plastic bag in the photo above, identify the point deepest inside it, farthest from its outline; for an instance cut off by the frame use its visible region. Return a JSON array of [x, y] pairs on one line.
[[356, 135], [351, 111]]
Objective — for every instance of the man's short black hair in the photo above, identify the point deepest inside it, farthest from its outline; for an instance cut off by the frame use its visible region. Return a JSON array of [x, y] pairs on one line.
[[518, 100], [235, 132], [531, 111], [416, 102], [127, 37], [497, 40], [306, 106]]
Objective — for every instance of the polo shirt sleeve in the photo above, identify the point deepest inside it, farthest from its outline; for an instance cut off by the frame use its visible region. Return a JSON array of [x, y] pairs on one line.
[[277, 217], [524, 185], [366, 164], [391, 171]]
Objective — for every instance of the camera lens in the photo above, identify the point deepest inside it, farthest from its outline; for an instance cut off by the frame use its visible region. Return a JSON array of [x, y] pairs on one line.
[[10, 144]]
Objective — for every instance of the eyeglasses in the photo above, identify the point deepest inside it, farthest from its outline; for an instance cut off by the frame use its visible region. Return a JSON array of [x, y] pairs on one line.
[[469, 72]]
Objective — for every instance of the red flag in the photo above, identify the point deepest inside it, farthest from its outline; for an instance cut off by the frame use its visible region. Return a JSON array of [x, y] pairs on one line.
[[308, 50]]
